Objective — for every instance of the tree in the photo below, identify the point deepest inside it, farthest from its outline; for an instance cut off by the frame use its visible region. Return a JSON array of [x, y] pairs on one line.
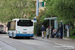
[[10, 9], [63, 9], [40, 22]]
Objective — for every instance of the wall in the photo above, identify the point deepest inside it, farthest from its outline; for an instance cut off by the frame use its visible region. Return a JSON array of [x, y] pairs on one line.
[[4, 26]]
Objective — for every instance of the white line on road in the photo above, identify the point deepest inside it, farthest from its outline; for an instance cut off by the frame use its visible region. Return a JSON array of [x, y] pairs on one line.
[[30, 48], [65, 46], [60, 45], [7, 45]]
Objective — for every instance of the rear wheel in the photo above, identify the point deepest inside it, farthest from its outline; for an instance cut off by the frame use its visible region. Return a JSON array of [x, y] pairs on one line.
[[10, 37]]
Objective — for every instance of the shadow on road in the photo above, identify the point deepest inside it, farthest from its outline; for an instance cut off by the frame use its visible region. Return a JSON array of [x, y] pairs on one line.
[[23, 38]]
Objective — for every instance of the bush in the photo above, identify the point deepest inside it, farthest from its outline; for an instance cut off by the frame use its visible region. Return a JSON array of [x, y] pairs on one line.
[[37, 29], [72, 33], [72, 37]]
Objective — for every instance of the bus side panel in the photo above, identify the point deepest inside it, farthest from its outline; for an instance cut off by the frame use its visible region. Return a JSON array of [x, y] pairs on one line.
[[12, 33]]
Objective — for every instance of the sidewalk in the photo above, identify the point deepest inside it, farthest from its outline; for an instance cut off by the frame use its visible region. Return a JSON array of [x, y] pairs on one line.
[[57, 41]]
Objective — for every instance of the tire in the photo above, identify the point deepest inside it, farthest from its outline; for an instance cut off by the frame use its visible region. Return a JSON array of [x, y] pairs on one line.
[[10, 37], [13, 35]]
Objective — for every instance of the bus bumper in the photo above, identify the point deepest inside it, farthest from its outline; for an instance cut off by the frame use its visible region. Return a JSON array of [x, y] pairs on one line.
[[24, 35]]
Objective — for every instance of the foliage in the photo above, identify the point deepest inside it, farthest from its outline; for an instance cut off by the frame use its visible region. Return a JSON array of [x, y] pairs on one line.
[[37, 28], [72, 37], [10, 9], [72, 32], [40, 16], [63, 9]]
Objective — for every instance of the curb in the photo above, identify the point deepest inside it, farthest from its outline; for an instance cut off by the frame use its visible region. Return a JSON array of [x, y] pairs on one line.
[[68, 39], [62, 39]]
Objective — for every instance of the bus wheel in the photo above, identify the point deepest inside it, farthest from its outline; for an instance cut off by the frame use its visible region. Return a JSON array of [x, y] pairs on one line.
[[10, 37]]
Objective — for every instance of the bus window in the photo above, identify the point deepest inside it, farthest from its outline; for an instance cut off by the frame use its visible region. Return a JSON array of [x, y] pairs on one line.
[[25, 23], [8, 25], [11, 25]]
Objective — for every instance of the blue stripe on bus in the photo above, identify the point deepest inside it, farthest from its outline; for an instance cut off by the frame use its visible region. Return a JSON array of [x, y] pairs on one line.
[[24, 35], [21, 35]]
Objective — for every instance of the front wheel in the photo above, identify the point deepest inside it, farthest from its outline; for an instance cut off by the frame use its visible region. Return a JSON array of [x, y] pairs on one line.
[[12, 35]]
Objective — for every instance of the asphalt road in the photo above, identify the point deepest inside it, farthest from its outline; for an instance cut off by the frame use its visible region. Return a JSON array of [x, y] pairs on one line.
[[7, 43]]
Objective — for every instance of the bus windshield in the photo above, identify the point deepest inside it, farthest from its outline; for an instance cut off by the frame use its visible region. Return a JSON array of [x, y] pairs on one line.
[[25, 23]]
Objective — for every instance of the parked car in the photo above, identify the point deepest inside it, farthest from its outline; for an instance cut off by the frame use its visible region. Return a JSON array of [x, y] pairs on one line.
[[2, 32]]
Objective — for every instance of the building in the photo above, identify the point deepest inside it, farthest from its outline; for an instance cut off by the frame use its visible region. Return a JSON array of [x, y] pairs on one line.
[[3, 26], [41, 4]]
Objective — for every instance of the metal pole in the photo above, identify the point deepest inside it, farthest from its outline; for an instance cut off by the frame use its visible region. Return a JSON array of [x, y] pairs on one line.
[[37, 8], [50, 28], [63, 30]]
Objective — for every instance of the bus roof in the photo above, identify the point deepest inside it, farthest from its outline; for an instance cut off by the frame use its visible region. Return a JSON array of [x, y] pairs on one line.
[[20, 19]]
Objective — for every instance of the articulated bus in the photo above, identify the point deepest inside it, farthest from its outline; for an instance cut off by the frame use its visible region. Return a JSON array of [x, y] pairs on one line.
[[20, 28]]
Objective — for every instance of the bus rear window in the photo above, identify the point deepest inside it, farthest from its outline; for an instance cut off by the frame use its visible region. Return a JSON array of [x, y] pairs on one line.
[[25, 23]]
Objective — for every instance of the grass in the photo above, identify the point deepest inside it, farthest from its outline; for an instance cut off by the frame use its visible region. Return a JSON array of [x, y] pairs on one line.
[[72, 37]]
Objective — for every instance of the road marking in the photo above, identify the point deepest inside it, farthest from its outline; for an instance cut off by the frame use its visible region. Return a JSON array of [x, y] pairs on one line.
[[19, 44], [65, 46], [59, 45], [7, 45]]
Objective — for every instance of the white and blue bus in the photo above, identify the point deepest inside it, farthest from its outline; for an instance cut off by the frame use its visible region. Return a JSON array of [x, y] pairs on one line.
[[20, 28]]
